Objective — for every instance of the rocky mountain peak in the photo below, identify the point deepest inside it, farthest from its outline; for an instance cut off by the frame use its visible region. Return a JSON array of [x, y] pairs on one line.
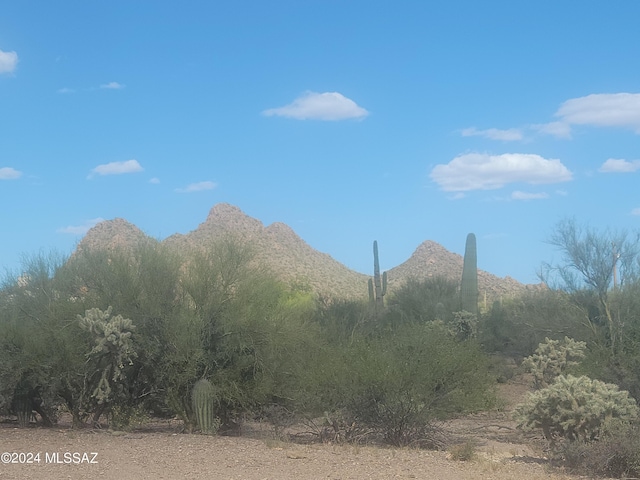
[[112, 234], [290, 258], [224, 216]]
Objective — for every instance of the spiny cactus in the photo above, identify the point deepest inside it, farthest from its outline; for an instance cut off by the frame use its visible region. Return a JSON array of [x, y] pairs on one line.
[[552, 358], [575, 408], [21, 403], [464, 325], [203, 396], [469, 285], [377, 288], [114, 350]]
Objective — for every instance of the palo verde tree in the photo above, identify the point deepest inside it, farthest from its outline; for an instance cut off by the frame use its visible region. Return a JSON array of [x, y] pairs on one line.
[[593, 261]]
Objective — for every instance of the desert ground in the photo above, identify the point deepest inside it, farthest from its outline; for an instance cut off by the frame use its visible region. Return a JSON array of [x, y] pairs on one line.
[[160, 451]]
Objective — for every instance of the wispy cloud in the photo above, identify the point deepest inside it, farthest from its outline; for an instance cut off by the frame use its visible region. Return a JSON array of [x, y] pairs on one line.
[[518, 195], [618, 165], [508, 135], [80, 229], [8, 61], [555, 129], [319, 106], [112, 86], [197, 187], [154, 180], [66, 90], [8, 173], [481, 171], [635, 211], [116, 168], [603, 110]]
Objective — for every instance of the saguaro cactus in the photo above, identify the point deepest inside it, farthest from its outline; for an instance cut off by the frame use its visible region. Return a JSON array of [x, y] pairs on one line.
[[377, 287], [203, 396], [469, 285]]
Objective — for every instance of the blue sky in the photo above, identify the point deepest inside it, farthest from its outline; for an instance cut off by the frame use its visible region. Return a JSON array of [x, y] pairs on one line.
[[348, 120]]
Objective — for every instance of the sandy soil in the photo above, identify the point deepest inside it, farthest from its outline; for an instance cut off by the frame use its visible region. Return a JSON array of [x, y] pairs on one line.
[[163, 453]]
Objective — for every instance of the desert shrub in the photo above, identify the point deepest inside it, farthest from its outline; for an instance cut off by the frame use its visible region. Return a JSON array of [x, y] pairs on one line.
[[463, 452], [494, 329], [615, 455], [520, 324], [553, 358], [396, 385], [464, 325], [241, 329], [41, 348], [574, 408], [424, 301], [127, 417], [342, 321]]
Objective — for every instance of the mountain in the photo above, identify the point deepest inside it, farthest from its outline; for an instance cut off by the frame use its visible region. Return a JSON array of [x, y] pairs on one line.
[[431, 259], [112, 234], [279, 248], [293, 260]]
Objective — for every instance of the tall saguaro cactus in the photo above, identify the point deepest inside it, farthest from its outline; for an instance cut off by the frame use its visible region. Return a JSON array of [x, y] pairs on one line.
[[377, 287], [469, 285]]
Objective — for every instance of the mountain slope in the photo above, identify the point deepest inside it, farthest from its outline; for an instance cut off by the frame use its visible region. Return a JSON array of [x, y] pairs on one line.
[[293, 260], [431, 259]]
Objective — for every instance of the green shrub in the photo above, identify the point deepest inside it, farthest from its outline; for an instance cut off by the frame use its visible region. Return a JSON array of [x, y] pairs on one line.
[[574, 408], [396, 385], [616, 454]]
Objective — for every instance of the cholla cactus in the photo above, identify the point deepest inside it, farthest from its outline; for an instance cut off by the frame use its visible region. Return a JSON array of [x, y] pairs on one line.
[[464, 325], [553, 358], [113, 349], [575, 408]]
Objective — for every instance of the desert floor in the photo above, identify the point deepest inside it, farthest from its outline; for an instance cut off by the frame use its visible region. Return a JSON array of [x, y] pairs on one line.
[[160, 451]]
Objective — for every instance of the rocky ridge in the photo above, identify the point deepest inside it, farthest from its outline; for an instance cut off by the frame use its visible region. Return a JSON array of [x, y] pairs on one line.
[[293, 260]]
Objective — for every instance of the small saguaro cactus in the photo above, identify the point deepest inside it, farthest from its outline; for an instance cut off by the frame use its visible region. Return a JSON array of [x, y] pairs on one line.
[[203, 397], [469, 285], [377, 288]]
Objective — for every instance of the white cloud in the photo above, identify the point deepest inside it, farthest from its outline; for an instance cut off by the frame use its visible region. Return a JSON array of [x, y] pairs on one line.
[[507, 135], [319, 106], [635, 211], [8, 173], [197, 187], [112, 86], [457, 196], [603, 110], [555, 129], [154, 180], [116, 168], [81, 229], [618, 165], [8, 61], [66, 90], [478, 171], [518, 195]]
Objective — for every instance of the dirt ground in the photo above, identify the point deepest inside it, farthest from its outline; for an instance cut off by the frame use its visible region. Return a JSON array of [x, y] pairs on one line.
[[160, 451]]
